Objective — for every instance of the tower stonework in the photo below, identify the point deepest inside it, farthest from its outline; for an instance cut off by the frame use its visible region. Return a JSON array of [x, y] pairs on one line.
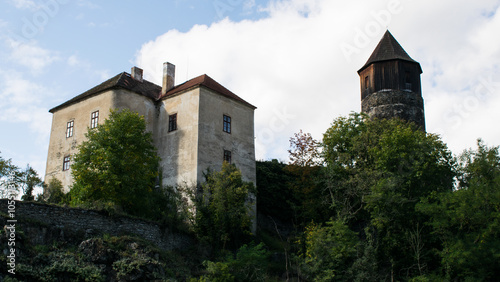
[[390, 83]]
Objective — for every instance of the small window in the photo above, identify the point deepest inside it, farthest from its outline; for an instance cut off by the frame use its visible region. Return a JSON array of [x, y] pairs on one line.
[[172, 122], [367, 82], [227, 124], [66, 163], [69, 128], [227, 156], [407, 80], [94, 119]]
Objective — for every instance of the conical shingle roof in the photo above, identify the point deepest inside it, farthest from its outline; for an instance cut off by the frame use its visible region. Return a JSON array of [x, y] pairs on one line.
[[387, 49]]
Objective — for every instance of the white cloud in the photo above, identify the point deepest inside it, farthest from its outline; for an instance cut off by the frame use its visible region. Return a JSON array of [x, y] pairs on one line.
[[22, 106], [292, 67], [30, 55], [24, 4]]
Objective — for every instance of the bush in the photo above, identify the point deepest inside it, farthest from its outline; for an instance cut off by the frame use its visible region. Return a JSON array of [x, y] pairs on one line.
[[250, 264]]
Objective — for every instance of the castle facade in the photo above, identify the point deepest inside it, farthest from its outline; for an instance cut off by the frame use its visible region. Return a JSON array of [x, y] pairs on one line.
[[196, 125]]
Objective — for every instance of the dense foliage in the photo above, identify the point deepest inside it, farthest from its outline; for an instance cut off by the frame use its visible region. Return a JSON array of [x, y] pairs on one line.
[[117, 164], [467, 220], [223, 208], [398, 205], [376, 200]]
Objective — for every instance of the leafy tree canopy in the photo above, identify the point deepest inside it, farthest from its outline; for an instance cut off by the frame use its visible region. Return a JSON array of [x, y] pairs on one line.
[[30, 180], [467, 220], [376, 173], [223, 212], [117, 164]]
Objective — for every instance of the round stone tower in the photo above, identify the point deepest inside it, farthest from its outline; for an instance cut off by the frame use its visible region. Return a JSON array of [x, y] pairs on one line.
[[390, 83]]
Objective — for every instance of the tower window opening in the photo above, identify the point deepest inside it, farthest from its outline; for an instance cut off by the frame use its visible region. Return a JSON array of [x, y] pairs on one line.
[[407, 81], [367, 82]]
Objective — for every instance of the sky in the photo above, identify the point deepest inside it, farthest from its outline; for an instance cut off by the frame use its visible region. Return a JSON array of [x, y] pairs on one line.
[[295, 60]]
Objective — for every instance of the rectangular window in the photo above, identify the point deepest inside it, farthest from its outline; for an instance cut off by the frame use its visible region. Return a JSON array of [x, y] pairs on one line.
[[367, 82], [69, 128], [94, 119], [66, 163], [227, 124], [227, 156], [172, 122], [407, 80]]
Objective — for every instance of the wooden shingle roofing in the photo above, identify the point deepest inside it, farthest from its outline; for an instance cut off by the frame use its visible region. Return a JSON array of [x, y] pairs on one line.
[[387, 49]]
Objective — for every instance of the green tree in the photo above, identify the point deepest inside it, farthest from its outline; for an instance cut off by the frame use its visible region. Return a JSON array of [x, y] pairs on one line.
[[223, 211], [468, 220], [117, 164], [305, 166], [29, 181], [274, 195], [54, 192], [377, 171], [330, 251], [250, 264], [9, 175]]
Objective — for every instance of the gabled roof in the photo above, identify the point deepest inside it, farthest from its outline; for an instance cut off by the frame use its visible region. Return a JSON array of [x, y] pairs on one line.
[[120, 81], [387, 49], [151, 90], [208, 82]]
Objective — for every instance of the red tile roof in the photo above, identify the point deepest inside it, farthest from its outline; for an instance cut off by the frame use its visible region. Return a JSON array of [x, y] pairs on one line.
[[208, 82]]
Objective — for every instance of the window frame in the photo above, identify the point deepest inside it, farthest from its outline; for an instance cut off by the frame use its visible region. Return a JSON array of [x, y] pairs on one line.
[[70, 126], [172, 122], [226, 123], [66, 163], [227, 157], [94, 119]]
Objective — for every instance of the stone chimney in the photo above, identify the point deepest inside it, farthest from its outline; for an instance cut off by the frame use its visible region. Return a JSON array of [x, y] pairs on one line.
[[168, 77], [136, 74]]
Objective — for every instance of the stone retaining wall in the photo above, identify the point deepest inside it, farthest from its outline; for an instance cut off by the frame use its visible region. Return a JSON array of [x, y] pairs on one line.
[[44, 223]]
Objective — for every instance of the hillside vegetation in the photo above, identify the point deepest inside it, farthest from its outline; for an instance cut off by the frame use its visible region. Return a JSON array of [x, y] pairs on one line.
[[376, 200]]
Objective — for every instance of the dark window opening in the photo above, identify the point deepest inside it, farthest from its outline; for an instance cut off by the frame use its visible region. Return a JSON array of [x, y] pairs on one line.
[[94, 119], [227, 124], [66, 163], [172, 122], [367, 82], [69, 129], [407, 80], [227, 156]]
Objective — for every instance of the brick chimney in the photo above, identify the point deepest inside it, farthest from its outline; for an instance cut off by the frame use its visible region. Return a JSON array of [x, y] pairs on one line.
[[136, 74], [168, 77]]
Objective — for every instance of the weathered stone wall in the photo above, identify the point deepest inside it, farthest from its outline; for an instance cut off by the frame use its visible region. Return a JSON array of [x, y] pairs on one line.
[[404, 104], [213, 140], [42, 224], [178, 149], [60, 145]]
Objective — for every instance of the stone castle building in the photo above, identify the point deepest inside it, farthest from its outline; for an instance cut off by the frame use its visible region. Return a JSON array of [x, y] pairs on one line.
[[195, 125], [390, 83]]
